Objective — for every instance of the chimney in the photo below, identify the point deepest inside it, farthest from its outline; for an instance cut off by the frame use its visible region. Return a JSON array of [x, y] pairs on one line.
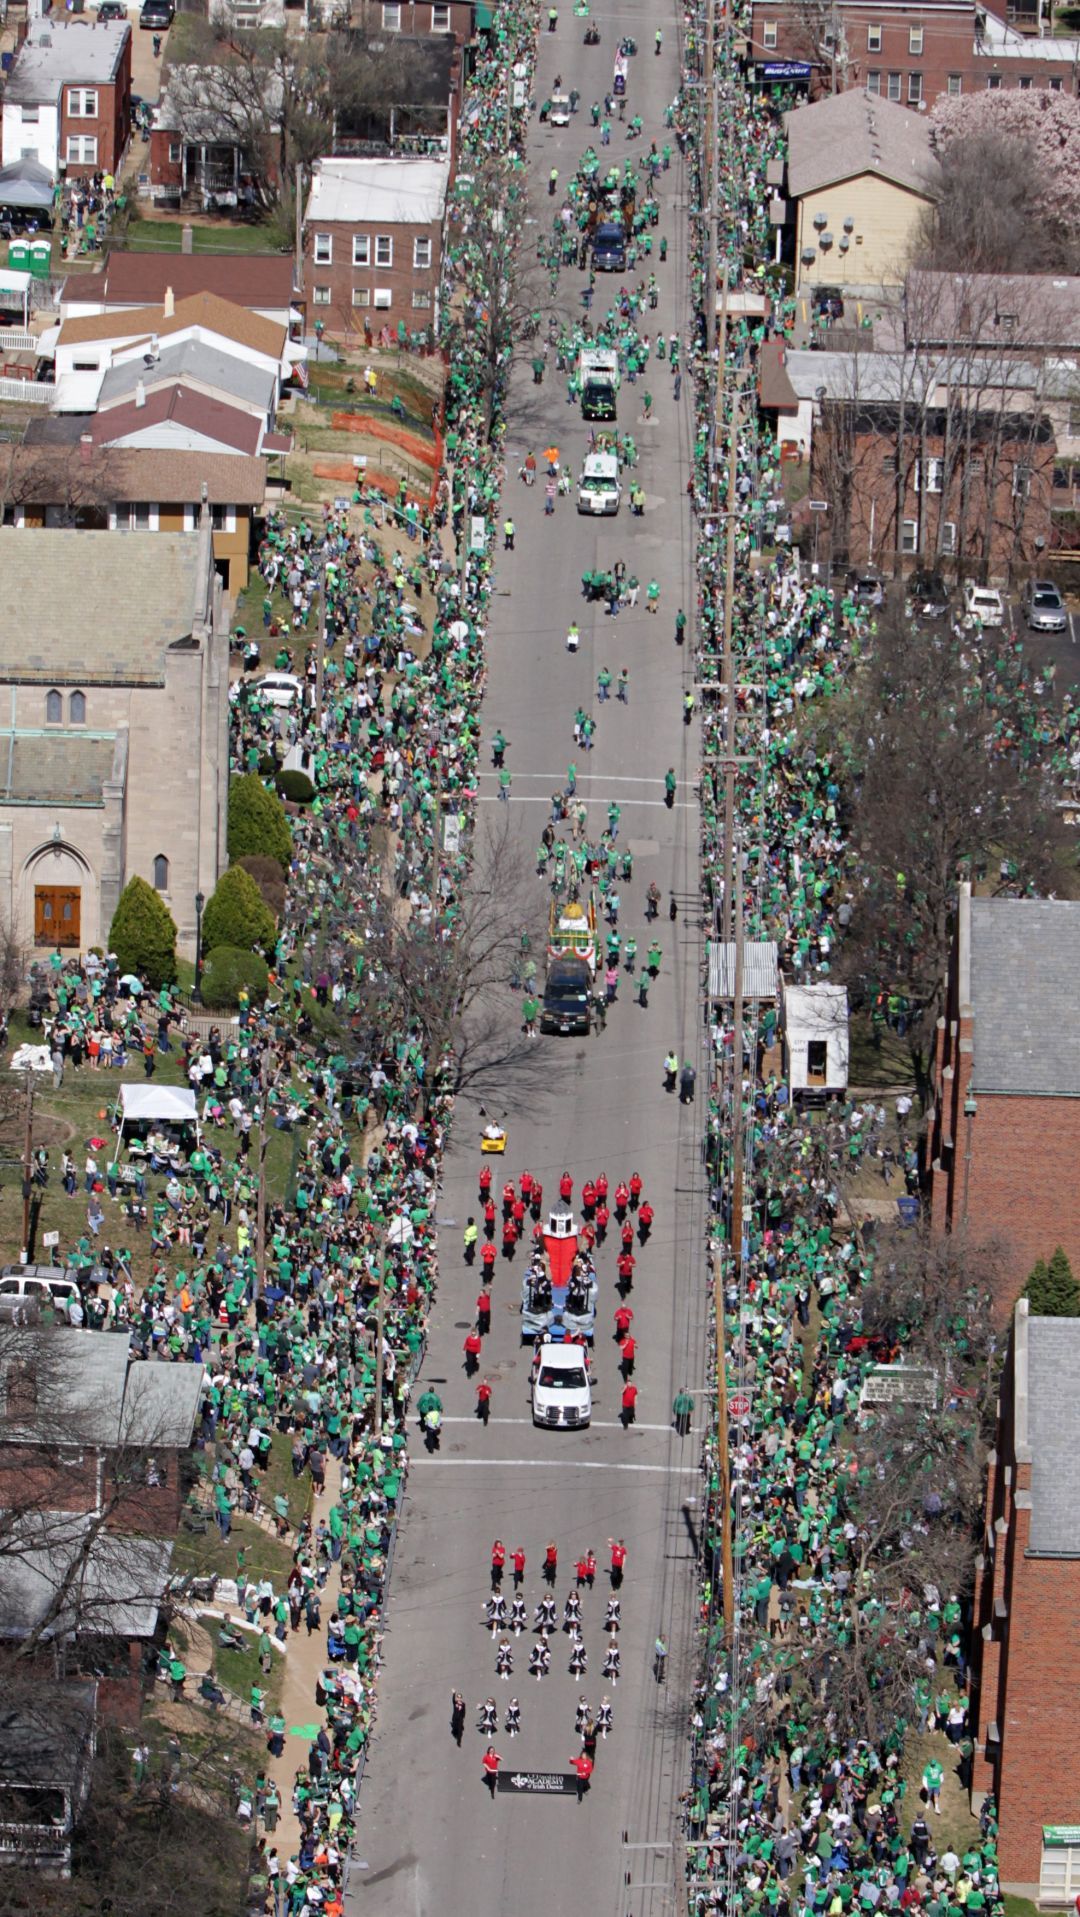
[[86, 448], [169, 304], [140, 393]]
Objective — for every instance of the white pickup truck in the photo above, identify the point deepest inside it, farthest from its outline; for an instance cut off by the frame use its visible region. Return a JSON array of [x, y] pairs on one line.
[[599, 490]]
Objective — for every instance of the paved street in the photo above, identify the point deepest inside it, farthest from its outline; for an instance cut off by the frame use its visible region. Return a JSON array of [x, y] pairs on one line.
[[431, 1839]]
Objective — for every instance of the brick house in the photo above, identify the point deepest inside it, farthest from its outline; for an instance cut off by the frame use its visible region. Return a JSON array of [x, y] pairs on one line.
[[923, 485], [907, 52], [67, 101], [1003, 1133], [1026, 1637], [373, 235], [415, 17]]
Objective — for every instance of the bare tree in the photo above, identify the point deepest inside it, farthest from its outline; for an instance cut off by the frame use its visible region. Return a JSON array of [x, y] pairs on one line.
[[492, 292], [934, 800]]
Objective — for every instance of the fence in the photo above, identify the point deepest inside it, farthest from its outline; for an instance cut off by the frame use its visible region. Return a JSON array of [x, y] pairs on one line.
[[14, 340], [30, 392]]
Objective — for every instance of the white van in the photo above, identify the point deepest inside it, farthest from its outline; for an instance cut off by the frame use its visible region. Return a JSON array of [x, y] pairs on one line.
[[37, 1285], [560, 109], [598, 488]]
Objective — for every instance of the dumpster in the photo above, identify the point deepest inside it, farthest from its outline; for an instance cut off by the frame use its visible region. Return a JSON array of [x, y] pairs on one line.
[[40, 259]]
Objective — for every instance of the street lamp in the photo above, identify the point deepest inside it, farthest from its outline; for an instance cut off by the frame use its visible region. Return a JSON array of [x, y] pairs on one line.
[[200, 901], [970, 1108]]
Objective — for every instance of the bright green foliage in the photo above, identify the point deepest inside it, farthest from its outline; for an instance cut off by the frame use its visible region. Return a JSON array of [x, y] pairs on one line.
[[226, 970], [143, 934], [236, 914], [1052, 1291], [257, 822]]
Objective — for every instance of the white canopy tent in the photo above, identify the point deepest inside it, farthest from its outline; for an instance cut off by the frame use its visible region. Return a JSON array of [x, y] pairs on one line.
[[155, 1105]]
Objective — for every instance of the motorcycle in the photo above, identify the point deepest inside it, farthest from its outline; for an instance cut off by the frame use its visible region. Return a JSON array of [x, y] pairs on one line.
[[592, 34]]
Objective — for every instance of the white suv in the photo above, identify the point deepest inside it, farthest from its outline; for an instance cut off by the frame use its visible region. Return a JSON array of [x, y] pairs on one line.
[[983, 603], [561, 1393]]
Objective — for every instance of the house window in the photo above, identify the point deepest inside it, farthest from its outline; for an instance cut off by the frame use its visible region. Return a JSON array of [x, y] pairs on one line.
[[361, 249], [954, 84], [440, 18], [324, 249], [909, 533], [915, 40], [888, 465], [828, 40], [361, 296], [320, 296], [1074, 418], [161, 873], [82, 103], [934, 476], [1021, 481], [768, 35], [82, 149], [384, 298], [141, 516], [873, 82], [54, 709], [77, 708], [421, 300], [873, 39], [1054, 86], [893, 91], [391, 16], [223, 519], [176, 152], [948, 536], [1024, 83], [384, 250], [421, 255], [914, 89], [993, 82]]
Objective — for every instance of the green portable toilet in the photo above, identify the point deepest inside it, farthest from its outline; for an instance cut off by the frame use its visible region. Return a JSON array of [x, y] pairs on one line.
[[41, 258], [19, 256]]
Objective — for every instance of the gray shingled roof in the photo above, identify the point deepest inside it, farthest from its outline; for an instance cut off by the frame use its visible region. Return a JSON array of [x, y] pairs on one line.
[[1025, 995], [62, 768], [854, 133], [59, 52], [95, 608], [1054, 1433], [198, 361]]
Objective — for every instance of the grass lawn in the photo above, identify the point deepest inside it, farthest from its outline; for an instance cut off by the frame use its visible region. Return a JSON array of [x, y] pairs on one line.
[[209, 1556], [875, 1065], [165, 236]]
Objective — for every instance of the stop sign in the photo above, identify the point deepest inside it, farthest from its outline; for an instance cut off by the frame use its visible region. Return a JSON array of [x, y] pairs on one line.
[[738, 1406]]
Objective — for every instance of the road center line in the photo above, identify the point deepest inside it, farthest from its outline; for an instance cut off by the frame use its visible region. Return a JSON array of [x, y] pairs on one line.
[[598, 1424], [558, 1464]]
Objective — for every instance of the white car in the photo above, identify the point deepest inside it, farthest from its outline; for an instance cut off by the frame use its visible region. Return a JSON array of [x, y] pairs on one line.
[[983, 603], [561, 1392], [560, 109]]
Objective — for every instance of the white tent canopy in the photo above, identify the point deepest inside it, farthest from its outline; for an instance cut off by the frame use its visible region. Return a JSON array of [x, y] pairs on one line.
[[156, 1105]]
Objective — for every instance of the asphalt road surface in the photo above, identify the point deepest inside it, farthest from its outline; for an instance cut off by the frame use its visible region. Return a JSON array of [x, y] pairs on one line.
[[432, 1839]]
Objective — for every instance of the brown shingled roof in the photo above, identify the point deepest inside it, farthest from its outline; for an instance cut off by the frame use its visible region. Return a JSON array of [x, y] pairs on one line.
[[201, 309], [47, 475], [140, 279]]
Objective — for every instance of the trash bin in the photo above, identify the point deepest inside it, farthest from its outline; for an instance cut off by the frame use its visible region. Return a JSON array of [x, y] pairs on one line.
[[19, 256], [909, 1210], [41, 258]]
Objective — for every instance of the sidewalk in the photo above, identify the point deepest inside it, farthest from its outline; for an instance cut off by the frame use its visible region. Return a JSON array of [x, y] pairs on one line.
[[305, 1658]]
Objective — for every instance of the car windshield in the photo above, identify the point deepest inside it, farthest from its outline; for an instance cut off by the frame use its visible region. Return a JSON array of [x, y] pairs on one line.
[[556, 1379], [1047, 596]]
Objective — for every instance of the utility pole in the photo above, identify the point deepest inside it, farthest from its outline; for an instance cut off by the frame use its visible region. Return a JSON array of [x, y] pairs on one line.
[[260, 1204], [728, 1572], [710, 177], [28, 1164], [728, 662], [380, 1325], [320, 646], [298, 253], [737, 1069]]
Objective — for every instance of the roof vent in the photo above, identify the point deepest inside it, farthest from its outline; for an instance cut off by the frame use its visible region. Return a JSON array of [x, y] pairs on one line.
[[168, 305], [140, 393]]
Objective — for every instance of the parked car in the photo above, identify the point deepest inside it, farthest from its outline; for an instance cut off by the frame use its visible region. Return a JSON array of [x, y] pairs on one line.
[[279, 688], [561, 1391], [111, 10], [983, 603], [866, 586], [36, 1285], [1044, 608], [928, 595], [157, 14]]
